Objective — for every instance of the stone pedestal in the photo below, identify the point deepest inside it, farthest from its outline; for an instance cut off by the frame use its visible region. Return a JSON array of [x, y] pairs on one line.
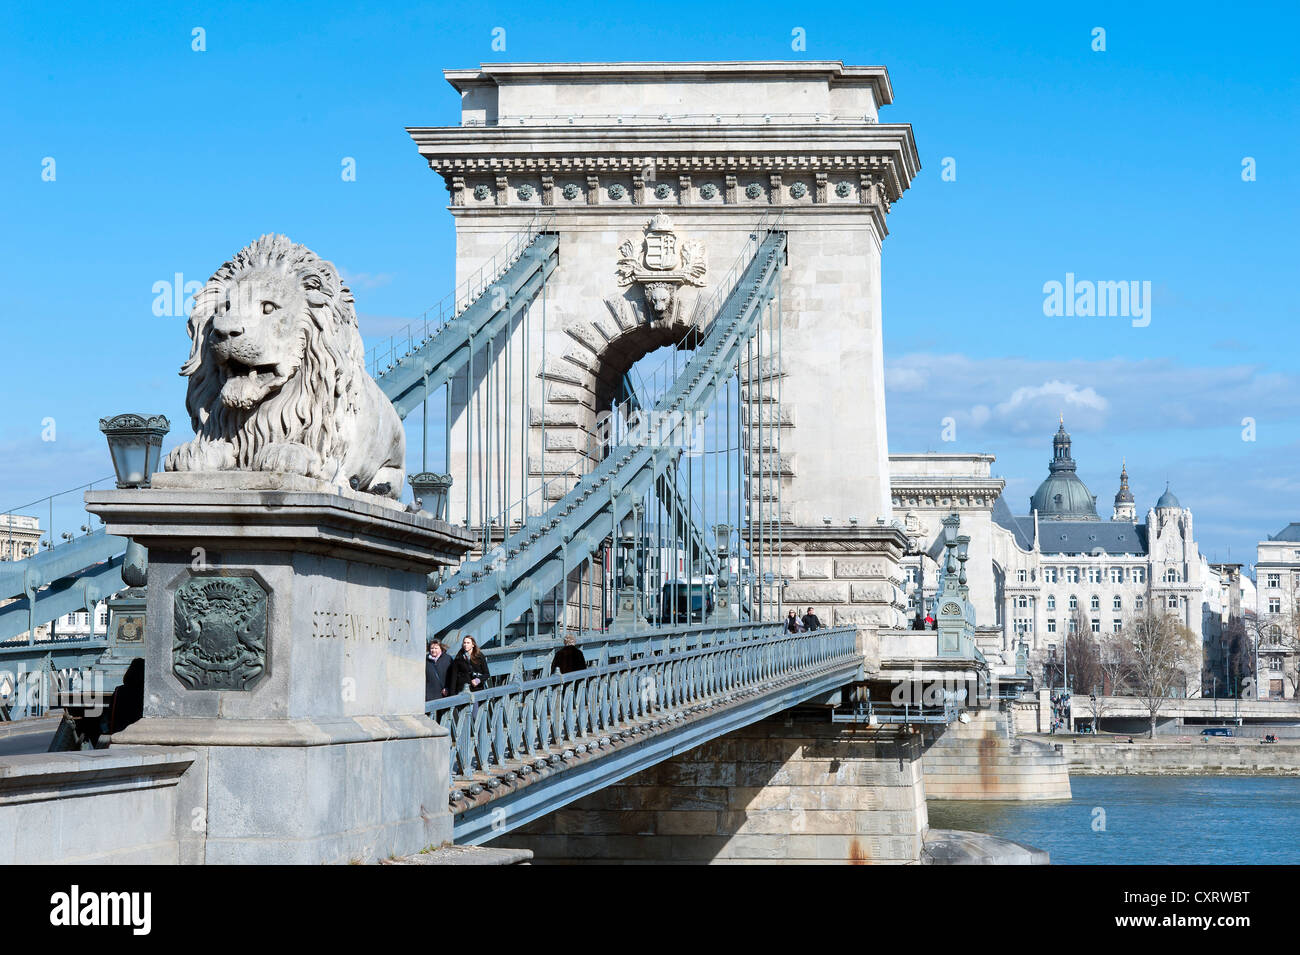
[[285, 636]]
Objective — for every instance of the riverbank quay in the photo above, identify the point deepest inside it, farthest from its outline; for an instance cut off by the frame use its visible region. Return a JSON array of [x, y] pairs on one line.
[[1175, 756]]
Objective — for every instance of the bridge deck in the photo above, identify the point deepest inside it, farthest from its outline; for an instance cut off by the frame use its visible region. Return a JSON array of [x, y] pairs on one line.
[[526, 749]]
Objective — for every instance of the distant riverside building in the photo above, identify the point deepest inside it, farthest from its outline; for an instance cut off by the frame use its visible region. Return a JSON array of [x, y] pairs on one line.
[[1230, 626], [1043, 575], [1277, 582], [20, 536]]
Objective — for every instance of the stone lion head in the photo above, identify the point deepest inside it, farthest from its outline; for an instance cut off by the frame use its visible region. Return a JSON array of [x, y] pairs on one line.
[[277, 379]]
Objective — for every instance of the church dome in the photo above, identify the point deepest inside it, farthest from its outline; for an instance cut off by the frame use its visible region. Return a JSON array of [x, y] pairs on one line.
[[1167, 499], [1063, 496]]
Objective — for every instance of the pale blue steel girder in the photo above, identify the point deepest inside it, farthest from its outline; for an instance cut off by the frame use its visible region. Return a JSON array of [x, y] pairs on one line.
[[433, 363], [71, 592], [498, 588], [22, 576]]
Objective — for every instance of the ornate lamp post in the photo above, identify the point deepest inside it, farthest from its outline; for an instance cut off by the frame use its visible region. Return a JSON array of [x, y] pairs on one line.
[[722, 536], [956, 619], [431, 492], [135, 444], [625, 602]]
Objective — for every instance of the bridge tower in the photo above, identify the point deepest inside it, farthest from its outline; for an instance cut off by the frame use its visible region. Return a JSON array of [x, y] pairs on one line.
[[654, 176]]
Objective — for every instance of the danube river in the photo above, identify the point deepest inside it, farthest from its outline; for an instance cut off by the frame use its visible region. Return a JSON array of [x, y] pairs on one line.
[[1147, 820]]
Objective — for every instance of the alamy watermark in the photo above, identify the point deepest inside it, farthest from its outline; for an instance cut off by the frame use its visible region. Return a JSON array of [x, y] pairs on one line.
[[1084, 298]]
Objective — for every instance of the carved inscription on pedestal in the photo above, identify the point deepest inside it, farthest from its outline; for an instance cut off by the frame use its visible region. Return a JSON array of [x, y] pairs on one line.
[[337, 624], [220, 633]]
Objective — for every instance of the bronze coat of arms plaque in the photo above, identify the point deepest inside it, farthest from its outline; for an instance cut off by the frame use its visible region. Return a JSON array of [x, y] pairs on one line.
[[220, 633]]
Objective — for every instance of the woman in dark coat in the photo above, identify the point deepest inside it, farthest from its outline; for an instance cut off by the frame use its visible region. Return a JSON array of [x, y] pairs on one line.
[[469, 667], [437, 664]]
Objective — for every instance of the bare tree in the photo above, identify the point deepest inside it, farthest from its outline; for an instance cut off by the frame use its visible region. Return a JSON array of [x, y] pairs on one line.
[[1083, 659], [1161, 652], [1116, 662]]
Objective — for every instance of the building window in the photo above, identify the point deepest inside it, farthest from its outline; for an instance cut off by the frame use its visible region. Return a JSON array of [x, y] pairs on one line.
[[1051, 601], [1274, 604], [1139, 575], [1022, 602], [1072, 575], [1171, 602], [1096, 625], [1139, 602], [1074, 602], [1049, 574], [1116, 625], [1095, 603], [1275, 580], [1117, 603], [1117, 575], [1074, 625], [1094, 575], [1051, 625], [1022, 576]]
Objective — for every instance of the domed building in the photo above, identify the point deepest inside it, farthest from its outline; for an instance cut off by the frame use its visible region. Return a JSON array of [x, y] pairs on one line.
[[1062, 496], [1060, 569]]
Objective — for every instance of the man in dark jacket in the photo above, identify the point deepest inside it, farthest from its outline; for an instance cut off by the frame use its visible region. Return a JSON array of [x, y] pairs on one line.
[[568, 659], [810, 621], [436, 665]]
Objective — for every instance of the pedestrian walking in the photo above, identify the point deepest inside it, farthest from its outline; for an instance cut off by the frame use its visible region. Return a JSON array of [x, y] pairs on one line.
[[810, 621], [568, 659], [436, 664], [468, 671]]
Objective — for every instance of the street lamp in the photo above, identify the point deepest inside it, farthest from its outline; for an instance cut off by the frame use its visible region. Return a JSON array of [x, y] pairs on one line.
[[722, 540], [963, 548], [135, 443], [431, 491], [626, 618]]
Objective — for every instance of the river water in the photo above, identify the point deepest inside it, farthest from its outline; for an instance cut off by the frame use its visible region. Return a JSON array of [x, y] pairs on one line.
[[1147, 820]]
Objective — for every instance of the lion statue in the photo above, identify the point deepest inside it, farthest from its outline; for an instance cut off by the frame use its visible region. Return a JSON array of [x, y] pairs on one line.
[[277, 376]]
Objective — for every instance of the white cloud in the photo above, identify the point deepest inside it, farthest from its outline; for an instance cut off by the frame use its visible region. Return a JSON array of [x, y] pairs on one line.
[[1062, 392], [1171, 420]]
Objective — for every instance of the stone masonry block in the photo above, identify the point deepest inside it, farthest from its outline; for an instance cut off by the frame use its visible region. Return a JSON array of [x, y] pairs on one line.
[[799, 592], [814, 568], [862, 568]]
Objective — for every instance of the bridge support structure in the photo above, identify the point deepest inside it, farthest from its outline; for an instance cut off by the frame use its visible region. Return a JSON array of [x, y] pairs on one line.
[[795, 788], [284, 638]]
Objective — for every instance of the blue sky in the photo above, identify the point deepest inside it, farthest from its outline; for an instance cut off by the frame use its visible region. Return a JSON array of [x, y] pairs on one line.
[[1117, 165]]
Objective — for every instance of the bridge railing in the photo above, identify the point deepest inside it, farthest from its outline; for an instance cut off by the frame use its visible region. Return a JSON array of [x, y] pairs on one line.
[[521, 728]]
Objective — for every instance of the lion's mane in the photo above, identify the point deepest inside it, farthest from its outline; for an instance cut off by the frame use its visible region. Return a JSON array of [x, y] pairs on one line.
[[312, 406]]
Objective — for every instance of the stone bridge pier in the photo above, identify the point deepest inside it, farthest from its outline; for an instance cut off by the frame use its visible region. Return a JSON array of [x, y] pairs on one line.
[[654, 176], [794, 788]]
